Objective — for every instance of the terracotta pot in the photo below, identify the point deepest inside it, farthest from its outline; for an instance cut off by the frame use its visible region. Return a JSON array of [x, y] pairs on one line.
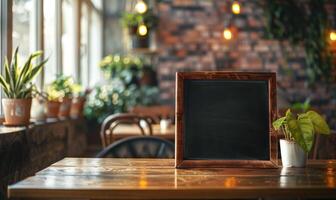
[[64, 110], [53, 109], [77, 106], [292, 155], [16, 111]]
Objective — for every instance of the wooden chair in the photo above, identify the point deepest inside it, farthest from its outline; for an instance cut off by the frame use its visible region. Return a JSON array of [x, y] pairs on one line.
[[155, 113], [113, 121], [139, 147]]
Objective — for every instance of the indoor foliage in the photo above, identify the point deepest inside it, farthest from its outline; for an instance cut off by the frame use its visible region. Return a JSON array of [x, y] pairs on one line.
[[302, 22], [16, 82], [134, 19], [61, 87], [122, 89], [302, 128]]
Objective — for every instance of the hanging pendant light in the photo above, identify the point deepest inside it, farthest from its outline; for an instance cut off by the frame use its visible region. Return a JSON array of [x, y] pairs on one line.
[[142, 30], [140, 7], [227, 34], [332, 36], [235, 7]]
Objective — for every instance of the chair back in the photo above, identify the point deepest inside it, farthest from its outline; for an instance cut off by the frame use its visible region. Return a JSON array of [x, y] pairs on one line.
[[154, 113], [113, 121], [139, 147]]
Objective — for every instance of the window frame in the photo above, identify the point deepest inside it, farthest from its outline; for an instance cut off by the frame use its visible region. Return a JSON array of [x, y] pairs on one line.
[[37, 35]]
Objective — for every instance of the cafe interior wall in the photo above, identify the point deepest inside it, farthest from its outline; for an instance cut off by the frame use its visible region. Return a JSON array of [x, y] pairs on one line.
[[189, 38]]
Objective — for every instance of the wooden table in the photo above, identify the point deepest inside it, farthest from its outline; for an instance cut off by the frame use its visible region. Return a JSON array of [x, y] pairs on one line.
[[94, 178], [123, 131]]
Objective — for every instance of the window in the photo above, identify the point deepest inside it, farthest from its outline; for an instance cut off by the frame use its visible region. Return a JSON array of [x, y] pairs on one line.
[[68, 34], [84, 45], [22, 27], [50, 34], [95, 48], [66, 30]]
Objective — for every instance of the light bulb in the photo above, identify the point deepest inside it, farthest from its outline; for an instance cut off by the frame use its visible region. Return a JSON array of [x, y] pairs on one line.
[[227, 34], [142, 30], [235, 8], [141, 7], [332, 36]]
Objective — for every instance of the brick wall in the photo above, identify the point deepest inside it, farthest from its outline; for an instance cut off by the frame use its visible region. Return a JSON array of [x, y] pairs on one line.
[[190, 38]]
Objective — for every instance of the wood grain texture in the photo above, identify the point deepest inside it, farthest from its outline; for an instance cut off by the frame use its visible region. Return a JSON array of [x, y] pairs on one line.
[[181, 162], [158, 179]]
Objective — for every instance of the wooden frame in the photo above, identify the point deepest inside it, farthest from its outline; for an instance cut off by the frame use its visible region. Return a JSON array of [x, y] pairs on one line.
[[181, 162]]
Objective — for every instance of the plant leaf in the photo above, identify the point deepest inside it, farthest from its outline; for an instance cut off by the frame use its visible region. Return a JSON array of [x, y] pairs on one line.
[[14, 69], [278, 123], [302, 130], [4, 86], [320, 125]]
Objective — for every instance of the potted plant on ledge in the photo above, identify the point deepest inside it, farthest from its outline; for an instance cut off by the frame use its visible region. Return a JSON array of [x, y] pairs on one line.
[[299, 134], [78, 101], [17, 87], [61, 90], [53, 103]]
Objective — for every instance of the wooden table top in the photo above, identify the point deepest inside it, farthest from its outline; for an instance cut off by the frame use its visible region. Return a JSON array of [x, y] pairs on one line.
[[124, 130], [111, 178]]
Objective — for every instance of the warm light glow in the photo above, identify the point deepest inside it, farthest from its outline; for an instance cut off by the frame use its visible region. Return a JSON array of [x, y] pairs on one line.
[[235, 8], [141, 7], [332, 36], [230, 182], [142, 30], [227, 34]]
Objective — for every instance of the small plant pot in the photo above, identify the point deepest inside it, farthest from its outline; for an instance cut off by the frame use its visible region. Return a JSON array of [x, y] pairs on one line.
[[53, 109], [16, 111], [77, 107], [140, 42], [292, 155], [37, 114], [65, 107]]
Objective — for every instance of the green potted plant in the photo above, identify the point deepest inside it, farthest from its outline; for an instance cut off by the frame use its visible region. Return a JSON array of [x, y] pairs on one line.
[[17, 87], [139, 26], [53, 103], [60, 95], [299, 134], [78, 101]]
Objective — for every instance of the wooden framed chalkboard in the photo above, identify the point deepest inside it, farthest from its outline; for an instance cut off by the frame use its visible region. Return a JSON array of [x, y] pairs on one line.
[[223, 119]]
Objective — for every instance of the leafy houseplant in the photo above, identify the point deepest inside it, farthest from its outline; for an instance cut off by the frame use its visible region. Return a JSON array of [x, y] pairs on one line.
[[299, 135], [135, 22], [59, 97], [17, 87], [123, 88], [124, 67], [303, 23]]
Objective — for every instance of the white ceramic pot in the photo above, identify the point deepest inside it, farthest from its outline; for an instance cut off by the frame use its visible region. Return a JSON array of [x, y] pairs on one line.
[[292, 155], [37, 112]]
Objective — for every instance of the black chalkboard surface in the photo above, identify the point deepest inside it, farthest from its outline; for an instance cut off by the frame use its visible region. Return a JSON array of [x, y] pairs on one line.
[[224, 119]]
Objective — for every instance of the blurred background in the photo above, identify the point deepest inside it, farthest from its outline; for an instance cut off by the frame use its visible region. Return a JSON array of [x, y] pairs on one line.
[[123, 54]]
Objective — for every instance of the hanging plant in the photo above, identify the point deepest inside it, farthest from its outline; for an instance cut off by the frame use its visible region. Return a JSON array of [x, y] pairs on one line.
[[302, 22]]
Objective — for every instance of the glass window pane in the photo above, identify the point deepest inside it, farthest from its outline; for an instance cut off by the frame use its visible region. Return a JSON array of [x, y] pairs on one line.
[[84, 44], [49, 20], [22, 14], [95, 48], [97, 3], [68, 53]]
